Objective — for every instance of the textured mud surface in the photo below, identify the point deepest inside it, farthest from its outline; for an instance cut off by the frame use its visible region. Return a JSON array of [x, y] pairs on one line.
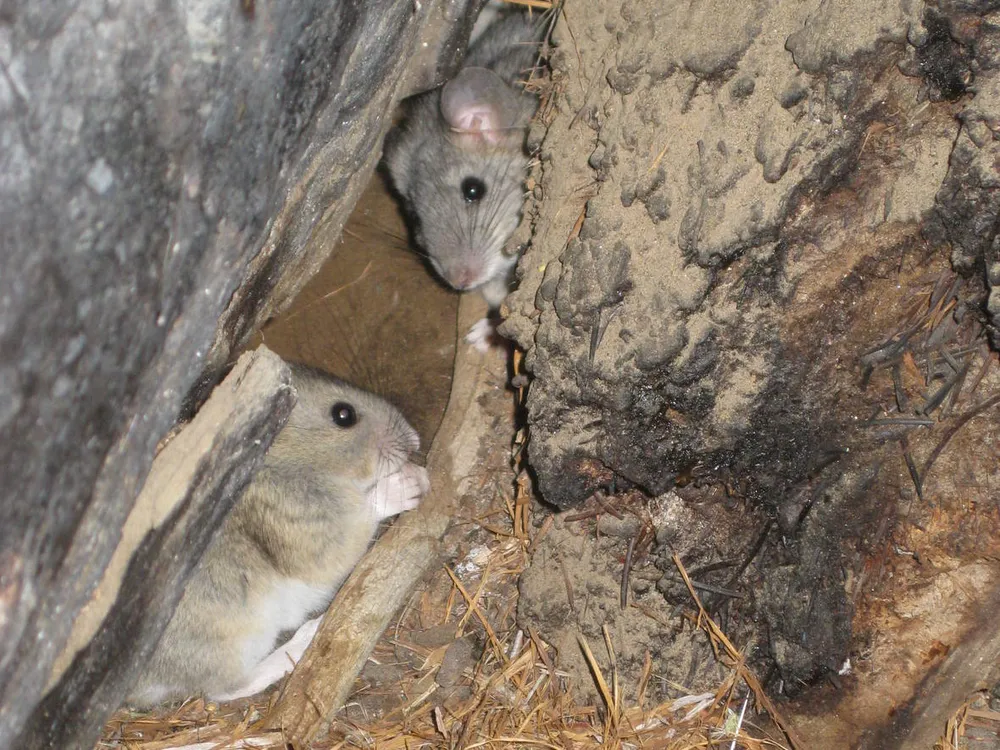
[[761, 267], [574, 587], [668, 174]]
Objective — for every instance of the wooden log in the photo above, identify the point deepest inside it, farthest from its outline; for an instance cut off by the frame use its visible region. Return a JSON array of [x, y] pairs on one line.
[[194, 481], [973, 664], [170, 173]]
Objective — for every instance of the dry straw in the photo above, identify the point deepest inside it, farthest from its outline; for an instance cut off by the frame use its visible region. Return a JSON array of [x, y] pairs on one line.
[[516, 695]]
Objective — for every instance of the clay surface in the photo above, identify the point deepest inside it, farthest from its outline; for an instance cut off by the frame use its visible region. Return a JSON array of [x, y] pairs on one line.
[[760, 234]]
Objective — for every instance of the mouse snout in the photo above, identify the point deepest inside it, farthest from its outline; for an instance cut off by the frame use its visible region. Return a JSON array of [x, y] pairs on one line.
[[396, 444], [464, 277]]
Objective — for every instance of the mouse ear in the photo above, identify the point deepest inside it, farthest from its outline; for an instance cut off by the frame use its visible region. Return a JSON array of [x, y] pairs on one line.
[[478, 102]]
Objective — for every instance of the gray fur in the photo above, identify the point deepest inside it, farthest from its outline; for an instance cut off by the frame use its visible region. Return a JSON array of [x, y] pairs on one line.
[[427, 160]]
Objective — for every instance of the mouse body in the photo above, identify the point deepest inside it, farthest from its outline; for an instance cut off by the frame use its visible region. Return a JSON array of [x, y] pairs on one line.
[[338, 467], [458, 159]]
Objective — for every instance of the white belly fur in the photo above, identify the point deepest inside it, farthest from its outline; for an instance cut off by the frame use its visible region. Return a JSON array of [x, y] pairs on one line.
[[290, 604]]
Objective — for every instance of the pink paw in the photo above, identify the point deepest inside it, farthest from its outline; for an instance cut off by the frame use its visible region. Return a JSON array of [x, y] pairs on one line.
[[400, 491], [481, 335]]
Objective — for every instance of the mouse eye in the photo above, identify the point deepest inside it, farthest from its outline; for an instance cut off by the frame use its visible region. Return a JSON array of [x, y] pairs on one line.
[[343, 414], [473, 189]]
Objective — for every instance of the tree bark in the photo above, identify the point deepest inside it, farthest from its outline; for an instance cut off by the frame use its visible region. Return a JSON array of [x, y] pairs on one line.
[[745, 218], [170, 175], [192, 485]]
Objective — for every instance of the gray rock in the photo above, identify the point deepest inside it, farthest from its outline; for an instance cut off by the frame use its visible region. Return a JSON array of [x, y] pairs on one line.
[[458, 657], [162, 167]]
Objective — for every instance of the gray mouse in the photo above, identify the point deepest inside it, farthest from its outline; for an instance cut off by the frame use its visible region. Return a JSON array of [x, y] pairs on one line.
[[458, 159], [338, 467]]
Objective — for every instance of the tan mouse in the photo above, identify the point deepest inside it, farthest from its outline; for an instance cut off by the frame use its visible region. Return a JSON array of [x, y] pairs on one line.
[[338, 468]]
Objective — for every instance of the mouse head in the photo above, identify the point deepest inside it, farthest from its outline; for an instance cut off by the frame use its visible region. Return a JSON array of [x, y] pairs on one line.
[[465, 183], [337, 429]]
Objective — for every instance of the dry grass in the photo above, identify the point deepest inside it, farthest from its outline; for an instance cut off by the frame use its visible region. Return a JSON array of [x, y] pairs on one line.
[[975, 712], [514, 696]]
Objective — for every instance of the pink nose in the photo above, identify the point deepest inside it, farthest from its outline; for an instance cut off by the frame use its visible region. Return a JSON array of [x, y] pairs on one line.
[[463, 277]]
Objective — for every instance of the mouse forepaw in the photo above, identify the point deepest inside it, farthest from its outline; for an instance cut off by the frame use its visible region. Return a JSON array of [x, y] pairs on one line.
[[400, 491], [481, 335]]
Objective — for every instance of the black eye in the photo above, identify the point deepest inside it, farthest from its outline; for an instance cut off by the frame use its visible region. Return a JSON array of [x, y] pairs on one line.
[[473, 189], [343, 414]]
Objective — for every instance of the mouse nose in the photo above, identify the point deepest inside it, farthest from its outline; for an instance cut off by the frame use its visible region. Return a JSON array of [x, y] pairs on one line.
[[463, 277]]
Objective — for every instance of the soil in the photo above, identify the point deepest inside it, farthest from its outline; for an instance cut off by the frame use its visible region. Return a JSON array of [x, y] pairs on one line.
[[573, 589]]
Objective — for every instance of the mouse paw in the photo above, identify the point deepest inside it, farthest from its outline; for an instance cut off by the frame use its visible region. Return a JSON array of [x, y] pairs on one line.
[[481, 335], [400, 491], [275, 665]]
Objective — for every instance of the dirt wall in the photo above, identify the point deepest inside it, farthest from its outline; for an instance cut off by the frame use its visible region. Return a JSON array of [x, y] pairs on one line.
[[745, 218]]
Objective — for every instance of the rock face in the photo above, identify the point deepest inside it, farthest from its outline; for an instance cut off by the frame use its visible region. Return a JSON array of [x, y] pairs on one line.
[[723, 195], [170, 173], [196, 478]]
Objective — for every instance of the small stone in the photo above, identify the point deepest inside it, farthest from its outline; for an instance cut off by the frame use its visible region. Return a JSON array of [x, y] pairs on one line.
[[641, 585], [665, 535], [625, 528], [434, 637], [993, 273], [383, 674], [100, 178], [792, 95], [459, 656], [742, 87], [666, 586]]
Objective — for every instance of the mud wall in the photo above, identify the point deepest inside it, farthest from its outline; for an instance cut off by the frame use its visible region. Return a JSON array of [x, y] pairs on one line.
[[164, 167], [676, 161], [734, 208]]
